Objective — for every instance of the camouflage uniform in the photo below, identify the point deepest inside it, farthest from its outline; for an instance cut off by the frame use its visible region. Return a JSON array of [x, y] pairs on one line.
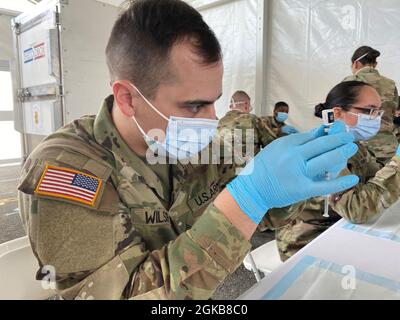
[[276, 126], [378, 189], [385, 143], [236, 119], [143, 237]]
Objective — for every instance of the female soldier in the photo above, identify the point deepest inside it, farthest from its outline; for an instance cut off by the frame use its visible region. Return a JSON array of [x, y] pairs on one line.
[[358, 105], [364, 63]]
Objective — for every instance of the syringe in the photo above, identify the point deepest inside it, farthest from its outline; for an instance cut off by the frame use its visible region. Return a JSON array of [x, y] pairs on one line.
[[328, 119]]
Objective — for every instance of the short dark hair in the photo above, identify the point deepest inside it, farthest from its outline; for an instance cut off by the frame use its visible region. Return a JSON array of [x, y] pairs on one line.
[[342, 95], [370, 55], [240, 94], [280, 104], [144, 34]]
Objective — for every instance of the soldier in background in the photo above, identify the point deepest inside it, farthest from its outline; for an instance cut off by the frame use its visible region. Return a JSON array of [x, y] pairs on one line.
[[241, 101], [378, 188], [277, 121], [240, 118], [364, 63]]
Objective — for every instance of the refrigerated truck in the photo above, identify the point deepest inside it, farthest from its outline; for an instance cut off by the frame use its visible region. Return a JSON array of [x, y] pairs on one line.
[[59, 68]]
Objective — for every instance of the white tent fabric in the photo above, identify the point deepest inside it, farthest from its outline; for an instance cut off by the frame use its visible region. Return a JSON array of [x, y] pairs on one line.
[[311, 44], [235, 24]]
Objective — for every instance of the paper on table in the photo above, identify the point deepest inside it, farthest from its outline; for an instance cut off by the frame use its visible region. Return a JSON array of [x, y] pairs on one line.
[[331, 281], [386, 226]]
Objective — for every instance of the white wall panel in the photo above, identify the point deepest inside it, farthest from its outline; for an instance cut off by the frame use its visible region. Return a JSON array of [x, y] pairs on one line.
[[311, 44], [235, 24]]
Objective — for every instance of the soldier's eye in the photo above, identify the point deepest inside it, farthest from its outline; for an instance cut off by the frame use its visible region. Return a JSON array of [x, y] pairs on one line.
[[195, 108]]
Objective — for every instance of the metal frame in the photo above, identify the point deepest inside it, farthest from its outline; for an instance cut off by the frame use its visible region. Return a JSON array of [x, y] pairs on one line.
[[15, 71], [256, 272], [262, 57]]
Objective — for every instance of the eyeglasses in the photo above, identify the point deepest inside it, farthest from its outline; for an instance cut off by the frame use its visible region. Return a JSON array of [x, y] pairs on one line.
[[372, 112]]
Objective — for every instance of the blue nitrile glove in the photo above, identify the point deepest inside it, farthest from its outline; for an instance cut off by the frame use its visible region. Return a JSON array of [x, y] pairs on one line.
[[289, 170], [289, 129], [398, 151]]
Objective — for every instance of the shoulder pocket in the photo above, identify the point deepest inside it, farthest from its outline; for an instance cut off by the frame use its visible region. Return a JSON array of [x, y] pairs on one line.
[[73, 178]]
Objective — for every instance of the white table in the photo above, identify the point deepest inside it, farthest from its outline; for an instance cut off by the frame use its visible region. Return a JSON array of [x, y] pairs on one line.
[[346, 262]]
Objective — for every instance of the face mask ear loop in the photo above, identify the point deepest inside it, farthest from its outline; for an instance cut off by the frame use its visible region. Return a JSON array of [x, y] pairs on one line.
[[149, 103], [358, 117], [233, 103], [139, 127]]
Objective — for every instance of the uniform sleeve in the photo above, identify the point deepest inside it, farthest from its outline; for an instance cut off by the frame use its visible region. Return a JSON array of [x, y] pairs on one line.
[[265, 133], [195, 263], [82, 246], [279, 217], [366, 200]]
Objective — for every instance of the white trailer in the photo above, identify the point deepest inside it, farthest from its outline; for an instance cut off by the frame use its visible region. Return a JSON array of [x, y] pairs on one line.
[[59, 70]]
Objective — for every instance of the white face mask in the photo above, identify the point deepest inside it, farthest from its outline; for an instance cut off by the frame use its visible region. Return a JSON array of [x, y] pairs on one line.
[[185, 137]]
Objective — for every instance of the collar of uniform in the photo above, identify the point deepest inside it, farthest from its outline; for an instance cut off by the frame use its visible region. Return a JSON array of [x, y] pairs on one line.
[[182, 171], [367, 69], [108, 136], [235, 111]]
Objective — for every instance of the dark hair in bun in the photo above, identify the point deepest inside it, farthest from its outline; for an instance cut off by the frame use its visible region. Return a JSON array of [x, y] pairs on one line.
[[370, 55], [342, 95], [318, 110]]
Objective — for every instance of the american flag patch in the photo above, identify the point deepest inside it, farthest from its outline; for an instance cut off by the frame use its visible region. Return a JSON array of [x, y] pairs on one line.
[[69, 184]]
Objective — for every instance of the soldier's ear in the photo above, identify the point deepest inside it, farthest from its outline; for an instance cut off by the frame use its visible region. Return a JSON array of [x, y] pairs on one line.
[[359, 65], [355, 66], [337, 113], [125, 97]]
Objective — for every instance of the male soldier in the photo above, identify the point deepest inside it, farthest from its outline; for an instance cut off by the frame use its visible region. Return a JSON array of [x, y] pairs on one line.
[[241, 101], [115, 225], [240, 118], [277, 121], [364, 62]]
